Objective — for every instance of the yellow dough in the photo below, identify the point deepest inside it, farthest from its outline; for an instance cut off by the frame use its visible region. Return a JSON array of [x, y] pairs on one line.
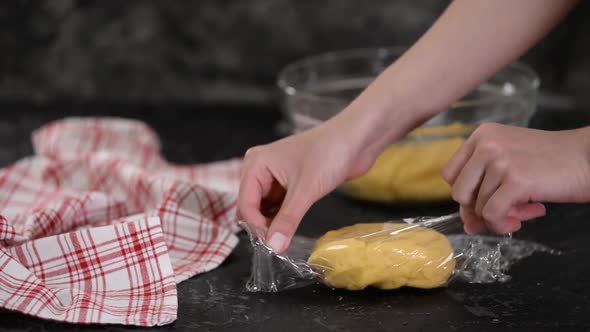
[[411, 171], [385, 256]]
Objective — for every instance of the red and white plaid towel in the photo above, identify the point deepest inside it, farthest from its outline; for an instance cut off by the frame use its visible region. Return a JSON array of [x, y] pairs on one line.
[[97, 227]]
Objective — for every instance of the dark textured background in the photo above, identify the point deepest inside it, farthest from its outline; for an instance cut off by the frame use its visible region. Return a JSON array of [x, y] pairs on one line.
[[219, 51]]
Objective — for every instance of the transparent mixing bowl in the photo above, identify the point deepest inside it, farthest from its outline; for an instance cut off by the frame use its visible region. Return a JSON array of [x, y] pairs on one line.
[[316, 88]]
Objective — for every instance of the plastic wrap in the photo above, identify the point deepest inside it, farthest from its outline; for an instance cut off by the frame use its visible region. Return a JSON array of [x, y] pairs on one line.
[[423, 252]]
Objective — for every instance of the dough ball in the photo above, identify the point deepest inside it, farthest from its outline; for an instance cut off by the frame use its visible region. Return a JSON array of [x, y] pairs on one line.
[[385, 256]]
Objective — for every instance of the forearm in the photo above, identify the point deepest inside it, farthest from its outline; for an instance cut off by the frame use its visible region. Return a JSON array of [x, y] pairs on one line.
[[470, 42]]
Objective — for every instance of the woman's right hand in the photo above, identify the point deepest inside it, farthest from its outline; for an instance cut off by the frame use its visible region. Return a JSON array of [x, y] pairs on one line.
[[281, 180]]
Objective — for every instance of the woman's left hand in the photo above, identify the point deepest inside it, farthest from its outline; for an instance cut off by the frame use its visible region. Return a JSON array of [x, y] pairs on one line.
[[501, 173]]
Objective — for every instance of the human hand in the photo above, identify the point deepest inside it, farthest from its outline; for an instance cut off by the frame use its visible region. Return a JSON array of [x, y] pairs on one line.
[[501, 173], [280, 181]]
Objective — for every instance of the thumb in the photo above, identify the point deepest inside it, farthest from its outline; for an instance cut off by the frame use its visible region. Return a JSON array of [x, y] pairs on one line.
[[286, 221]]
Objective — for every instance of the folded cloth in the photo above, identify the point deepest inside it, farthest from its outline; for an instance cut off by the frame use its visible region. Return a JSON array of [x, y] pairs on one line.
[[97, 227]]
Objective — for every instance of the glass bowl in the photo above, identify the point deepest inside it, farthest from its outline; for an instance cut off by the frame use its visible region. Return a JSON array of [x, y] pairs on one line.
[[317, 87]]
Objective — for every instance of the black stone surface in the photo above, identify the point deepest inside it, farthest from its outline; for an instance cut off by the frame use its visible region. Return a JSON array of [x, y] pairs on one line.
[[547, 293], [222, 51]]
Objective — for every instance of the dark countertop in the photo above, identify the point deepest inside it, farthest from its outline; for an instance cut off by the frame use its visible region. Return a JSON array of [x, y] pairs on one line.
[[546, 293]]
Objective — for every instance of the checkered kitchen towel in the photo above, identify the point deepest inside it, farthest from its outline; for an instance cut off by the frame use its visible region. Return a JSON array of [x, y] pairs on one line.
[[97, 227]]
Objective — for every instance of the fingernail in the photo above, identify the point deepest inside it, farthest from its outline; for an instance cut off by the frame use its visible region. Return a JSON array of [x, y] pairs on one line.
[[277, 242], [467, 230], [542, 208], [513, 227]]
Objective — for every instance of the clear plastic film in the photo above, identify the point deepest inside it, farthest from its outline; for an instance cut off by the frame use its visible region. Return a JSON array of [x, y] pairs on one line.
[[423, 252]]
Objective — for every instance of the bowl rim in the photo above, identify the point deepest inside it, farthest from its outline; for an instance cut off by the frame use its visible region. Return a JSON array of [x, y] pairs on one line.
[[291, 90]]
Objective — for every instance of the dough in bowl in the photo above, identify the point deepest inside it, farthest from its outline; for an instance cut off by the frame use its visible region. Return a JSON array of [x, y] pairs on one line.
[[383, 255], [411, 171]]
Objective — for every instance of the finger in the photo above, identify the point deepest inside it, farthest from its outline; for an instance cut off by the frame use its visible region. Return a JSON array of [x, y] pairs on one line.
[[495, 212], [470, 177], [250, 151], [527, 211], [252, 189], [250, 159], [245, 160], [284, 225], [458, 160], [472, 224], [494, 173], [506, 226]]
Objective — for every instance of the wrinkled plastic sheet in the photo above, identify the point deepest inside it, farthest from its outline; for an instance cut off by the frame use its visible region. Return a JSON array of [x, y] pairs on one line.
[[480, 259]]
